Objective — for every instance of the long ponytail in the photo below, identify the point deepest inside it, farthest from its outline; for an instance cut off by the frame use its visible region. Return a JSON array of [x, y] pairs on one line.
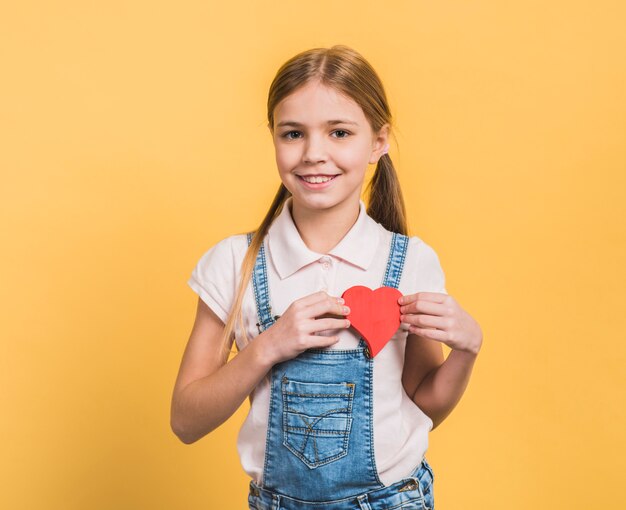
[[247, 265], [386, 205]]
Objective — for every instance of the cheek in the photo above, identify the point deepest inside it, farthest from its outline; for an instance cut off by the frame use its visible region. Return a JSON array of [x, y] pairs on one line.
[[354, 161], [357, 157], [286, 159]]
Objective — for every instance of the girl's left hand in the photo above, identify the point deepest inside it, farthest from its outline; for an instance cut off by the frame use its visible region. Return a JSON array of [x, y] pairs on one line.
[[438, 316]]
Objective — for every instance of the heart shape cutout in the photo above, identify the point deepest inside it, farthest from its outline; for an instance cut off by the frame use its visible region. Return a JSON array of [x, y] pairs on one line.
[[374, 314]]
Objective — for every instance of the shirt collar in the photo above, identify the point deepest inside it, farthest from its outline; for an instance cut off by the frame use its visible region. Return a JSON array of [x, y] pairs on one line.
[[289, 253]]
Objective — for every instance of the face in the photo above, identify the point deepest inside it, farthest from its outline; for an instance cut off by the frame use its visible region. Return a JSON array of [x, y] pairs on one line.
[[323, 144]]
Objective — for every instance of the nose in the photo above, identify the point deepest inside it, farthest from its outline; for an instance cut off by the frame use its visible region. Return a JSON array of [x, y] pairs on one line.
[[314, 150]]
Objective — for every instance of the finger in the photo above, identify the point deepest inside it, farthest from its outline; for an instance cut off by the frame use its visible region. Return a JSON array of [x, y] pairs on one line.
[[406, 299], [435, 297], [422, 306], [329, 305], [323, 341], [423, 320], [318, 325], [317, 297]]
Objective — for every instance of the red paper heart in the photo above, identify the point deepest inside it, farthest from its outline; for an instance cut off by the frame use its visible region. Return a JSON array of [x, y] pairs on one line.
[[375, 314]]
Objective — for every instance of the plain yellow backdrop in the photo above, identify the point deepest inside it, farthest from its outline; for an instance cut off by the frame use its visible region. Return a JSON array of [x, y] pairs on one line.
[[133, 137]]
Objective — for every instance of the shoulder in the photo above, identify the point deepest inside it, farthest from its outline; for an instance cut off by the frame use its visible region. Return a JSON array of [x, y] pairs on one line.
[[225, 256], [228, 248], [215, 276], [417, 252], [420, 250], [423, 267], [417, 249]]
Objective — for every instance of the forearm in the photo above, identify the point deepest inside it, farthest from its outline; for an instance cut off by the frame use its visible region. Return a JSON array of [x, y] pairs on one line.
[[442, 388], [206, 403]]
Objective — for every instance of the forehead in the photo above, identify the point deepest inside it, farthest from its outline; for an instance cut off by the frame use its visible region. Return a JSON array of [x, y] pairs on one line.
[[316, 103]]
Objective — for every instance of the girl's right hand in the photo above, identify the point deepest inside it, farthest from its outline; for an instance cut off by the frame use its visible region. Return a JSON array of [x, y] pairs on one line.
[[295, 331]]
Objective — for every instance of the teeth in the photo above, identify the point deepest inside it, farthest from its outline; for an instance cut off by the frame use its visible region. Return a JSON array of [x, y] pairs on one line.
[[316, 179]]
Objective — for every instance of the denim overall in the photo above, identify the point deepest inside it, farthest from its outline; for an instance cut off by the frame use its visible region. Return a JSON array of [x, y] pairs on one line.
[[320, 441]]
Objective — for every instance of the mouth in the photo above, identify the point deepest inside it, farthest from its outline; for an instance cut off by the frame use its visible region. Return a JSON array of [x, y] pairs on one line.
[[317, 178]]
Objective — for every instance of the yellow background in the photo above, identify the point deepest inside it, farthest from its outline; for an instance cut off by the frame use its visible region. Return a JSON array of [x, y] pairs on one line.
[[133, 137]]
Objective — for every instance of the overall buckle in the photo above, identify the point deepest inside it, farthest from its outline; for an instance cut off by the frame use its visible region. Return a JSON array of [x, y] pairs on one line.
[[265, 325]]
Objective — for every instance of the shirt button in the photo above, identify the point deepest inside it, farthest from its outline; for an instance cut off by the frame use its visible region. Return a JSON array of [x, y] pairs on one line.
[[325, 262]]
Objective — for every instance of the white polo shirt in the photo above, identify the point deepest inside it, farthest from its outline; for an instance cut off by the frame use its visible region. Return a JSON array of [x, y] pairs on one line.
[[294, 271]]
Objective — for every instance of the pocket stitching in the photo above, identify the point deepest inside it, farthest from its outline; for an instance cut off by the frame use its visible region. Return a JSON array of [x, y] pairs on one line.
[[408, 504], [349, 396]]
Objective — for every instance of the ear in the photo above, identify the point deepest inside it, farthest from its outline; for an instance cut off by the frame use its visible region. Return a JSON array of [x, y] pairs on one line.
[[379, 142]]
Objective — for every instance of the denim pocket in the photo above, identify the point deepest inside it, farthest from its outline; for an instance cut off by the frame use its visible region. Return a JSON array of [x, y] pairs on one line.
[[317, 418]]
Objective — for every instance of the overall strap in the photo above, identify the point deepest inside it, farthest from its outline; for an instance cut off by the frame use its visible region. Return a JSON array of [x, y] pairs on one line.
[[261, 289], [395, 263]]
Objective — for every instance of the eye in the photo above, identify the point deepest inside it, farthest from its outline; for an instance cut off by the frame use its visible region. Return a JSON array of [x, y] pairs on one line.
[[286, 135], [342, 131]]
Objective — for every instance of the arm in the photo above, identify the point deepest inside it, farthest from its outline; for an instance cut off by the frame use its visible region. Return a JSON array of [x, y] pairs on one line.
[[421, 356], [209, 390], [440, 386]]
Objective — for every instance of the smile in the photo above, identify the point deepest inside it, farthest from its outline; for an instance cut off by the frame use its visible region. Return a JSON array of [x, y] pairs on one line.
[[317, 179], [316, 182]]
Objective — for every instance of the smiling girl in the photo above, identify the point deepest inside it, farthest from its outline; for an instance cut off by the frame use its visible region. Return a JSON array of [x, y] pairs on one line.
[[329, 426]]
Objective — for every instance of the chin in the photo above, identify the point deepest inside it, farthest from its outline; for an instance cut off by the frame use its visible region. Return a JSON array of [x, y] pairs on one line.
[[318, 203]]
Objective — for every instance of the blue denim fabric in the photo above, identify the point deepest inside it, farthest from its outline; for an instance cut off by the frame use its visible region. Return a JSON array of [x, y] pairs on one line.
[[412, 493], [261, 289], [320, 440]]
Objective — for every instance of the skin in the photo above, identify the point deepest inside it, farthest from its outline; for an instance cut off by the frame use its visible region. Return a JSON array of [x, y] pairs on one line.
[[208, 389]]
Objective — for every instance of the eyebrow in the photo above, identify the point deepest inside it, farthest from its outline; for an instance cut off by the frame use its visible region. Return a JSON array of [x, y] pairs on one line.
[[330, 123]]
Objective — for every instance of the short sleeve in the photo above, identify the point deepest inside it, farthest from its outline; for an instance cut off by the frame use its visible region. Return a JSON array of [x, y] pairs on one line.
[[430, 275], [214, 278]]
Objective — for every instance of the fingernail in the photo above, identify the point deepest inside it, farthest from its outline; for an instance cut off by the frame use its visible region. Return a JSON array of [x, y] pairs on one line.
[[341, 301], [401, 300], [346, 309]]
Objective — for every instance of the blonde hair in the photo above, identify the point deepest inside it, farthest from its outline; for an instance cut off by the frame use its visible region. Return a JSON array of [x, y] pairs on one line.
[[345, 70]]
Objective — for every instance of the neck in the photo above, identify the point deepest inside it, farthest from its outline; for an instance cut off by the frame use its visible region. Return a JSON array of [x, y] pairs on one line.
[[321, 230]]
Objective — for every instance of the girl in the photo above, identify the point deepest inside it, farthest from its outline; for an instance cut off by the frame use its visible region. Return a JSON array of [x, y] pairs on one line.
[[329, 426]]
